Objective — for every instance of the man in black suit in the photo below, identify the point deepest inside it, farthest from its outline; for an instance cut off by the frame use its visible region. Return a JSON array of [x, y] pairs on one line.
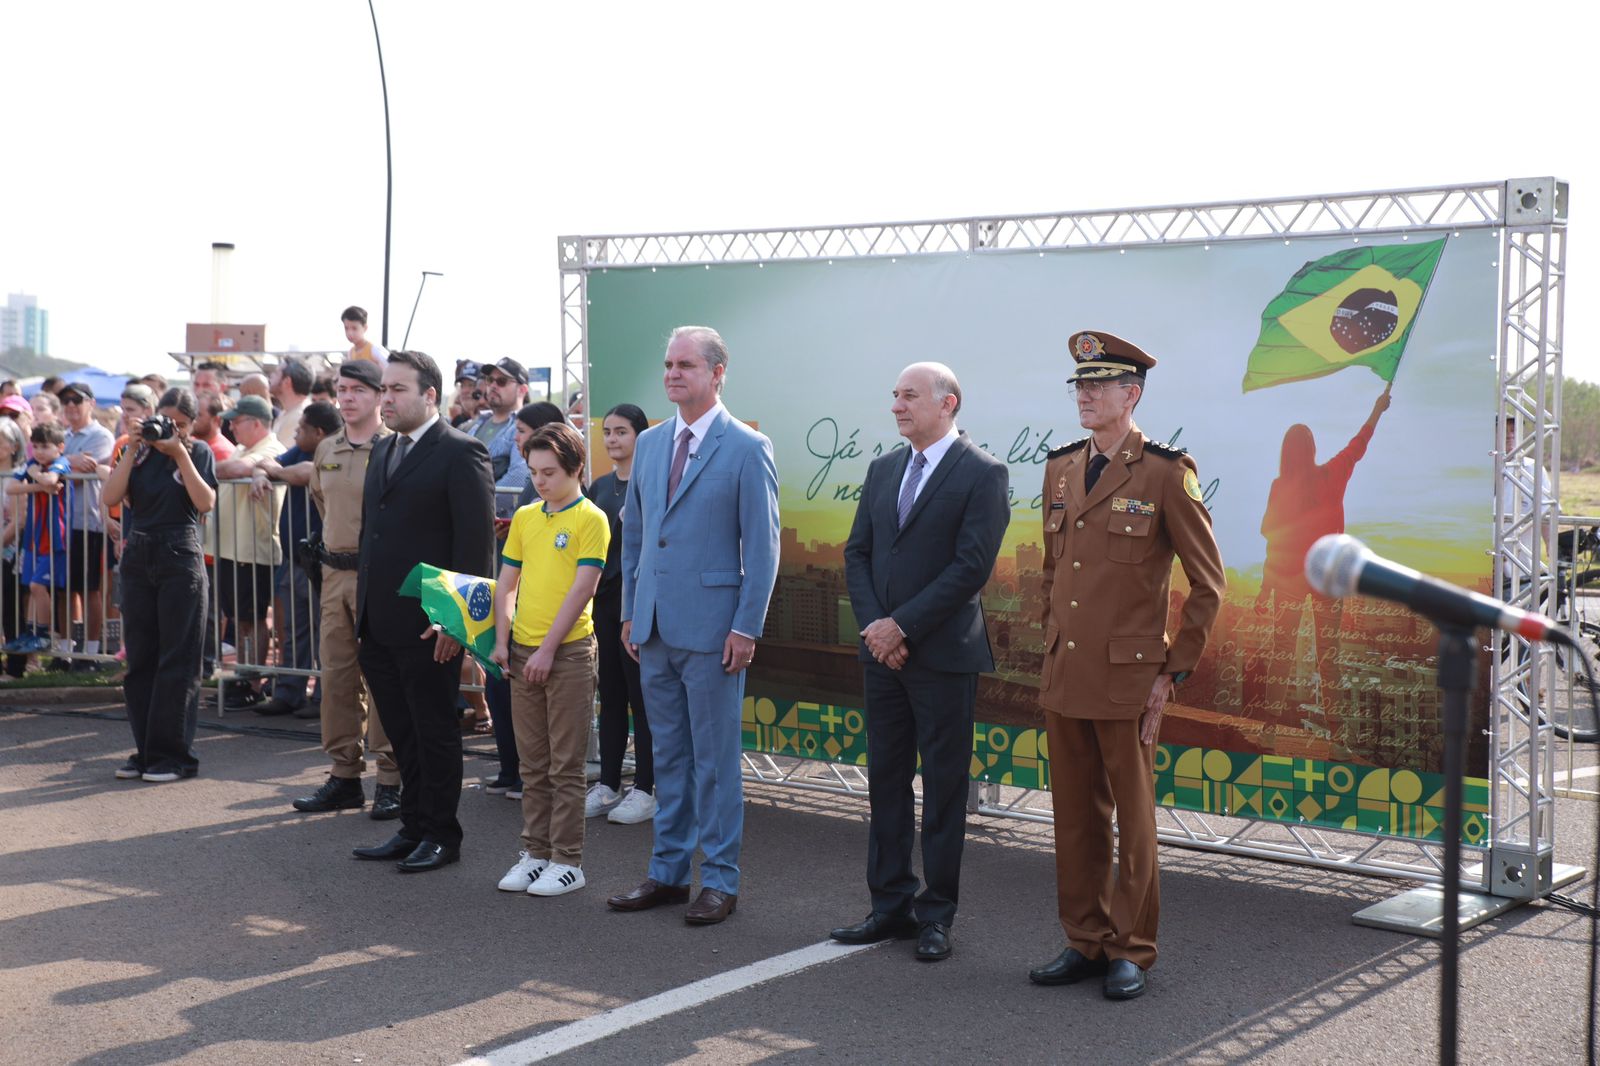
[[429, 498], [926, 533]]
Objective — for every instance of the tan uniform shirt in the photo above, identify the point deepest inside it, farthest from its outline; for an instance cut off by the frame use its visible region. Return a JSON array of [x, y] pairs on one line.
[[1107, 576], [338, 481]]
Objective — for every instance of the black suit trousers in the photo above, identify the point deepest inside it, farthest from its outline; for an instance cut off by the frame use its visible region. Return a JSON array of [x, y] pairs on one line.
[[416, 700], [914, 711]]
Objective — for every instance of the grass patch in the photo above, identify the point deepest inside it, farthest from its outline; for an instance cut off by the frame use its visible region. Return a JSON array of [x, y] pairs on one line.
[[1580, 493], [64, 679]]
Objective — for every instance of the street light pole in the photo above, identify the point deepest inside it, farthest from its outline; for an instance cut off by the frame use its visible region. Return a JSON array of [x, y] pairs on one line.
[[405, 345], [388, 147]]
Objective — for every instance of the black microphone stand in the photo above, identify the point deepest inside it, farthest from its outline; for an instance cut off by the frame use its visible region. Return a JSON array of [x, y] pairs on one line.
[[1458, 664]]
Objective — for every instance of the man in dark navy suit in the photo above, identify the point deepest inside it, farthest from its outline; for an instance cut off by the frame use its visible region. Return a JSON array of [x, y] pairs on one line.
[[926, 533], [429, 498]]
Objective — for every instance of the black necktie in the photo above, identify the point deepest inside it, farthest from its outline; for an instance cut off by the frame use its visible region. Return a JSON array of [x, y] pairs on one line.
[[398, 454], [1097, 465]]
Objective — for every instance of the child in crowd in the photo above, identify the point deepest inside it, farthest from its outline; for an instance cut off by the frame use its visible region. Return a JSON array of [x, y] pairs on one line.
[[44, 534], [544, 640]]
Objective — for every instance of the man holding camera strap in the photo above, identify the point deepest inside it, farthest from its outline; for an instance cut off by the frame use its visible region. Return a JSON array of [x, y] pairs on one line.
[[349, 720]]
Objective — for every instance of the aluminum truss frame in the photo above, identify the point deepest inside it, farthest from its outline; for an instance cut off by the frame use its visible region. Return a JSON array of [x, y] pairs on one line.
[[1529, 214]]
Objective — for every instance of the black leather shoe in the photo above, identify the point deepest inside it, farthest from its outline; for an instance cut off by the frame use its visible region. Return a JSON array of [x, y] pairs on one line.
[[396, 847], [309, 711], [877, 926], [933, 942], [1068, 968], [336, 794], [429, 856], [274, 708], [1124, 980], [385, 803]]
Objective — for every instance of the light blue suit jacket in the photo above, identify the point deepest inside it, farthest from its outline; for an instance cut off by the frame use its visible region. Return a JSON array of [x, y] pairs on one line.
[[702, 564]]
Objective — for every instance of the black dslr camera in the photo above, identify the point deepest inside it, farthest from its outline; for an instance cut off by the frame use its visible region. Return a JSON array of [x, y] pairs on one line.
[[158, 427]]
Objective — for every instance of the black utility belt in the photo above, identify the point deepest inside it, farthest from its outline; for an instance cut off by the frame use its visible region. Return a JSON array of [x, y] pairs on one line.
[[341, 560]]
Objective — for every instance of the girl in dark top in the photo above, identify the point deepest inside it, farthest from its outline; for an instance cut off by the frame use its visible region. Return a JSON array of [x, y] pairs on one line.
[[497, 693], [167, 485], [619, 673]]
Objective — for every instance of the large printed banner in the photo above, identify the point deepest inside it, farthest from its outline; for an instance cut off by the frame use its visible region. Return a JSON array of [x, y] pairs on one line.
[[1320, 385]]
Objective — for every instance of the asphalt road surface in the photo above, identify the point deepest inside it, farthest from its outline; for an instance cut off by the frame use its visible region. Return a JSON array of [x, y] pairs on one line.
[[207, 922]]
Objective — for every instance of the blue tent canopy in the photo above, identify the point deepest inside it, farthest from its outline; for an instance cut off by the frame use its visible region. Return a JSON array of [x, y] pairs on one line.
[[106, 385]]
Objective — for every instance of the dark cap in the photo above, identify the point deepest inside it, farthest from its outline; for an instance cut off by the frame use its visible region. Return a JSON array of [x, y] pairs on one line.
[[251, 407], [513, 370], [81, 388], [467, 370], [364, 371], [1103, 356]]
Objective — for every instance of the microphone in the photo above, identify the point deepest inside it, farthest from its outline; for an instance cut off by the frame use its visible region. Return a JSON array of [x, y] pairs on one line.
[[1338, 565]]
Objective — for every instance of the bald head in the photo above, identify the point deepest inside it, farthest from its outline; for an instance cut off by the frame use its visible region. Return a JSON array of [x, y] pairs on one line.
[[926, 399], [256, 385]]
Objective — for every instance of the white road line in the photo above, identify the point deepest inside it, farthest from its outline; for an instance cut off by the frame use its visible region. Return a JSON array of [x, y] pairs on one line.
[[608, 1023], [1564, 778]]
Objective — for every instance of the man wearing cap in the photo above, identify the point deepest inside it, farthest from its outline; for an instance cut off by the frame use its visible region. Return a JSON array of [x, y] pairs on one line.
[[468, 396], [88, 452], [1117, 509], [505, 390], [350, 724], [248, 547]]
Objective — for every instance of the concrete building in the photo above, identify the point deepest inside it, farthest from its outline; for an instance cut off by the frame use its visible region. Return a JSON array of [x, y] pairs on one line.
[[24, 324]]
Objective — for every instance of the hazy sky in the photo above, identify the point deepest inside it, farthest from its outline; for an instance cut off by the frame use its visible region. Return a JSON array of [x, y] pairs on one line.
[[137, 134]]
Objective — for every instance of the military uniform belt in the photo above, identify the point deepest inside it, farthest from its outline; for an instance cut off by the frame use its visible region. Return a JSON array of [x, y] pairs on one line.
[[341, 560]]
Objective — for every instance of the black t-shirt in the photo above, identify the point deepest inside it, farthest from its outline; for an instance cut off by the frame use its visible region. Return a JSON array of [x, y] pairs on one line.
[[609, 493], [157, 498]]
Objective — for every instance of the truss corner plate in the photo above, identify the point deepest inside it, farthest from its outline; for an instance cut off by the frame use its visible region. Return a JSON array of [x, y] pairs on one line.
[[1420, 911], [1535, 202]]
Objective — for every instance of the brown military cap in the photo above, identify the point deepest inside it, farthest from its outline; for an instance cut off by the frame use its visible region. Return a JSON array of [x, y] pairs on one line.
[[1101, 355]]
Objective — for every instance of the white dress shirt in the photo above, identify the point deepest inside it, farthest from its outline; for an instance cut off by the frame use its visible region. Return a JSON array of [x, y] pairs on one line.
[[697, 429]]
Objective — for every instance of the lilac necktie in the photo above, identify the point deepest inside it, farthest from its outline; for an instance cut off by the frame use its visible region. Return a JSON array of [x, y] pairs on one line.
[[908, 491], [679, 458]]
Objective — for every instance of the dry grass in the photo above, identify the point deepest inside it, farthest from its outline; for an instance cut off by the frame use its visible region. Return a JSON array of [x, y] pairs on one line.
[[1580, 493]]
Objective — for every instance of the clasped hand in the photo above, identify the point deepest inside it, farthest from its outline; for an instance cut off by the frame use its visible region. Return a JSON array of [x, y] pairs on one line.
[[886, 643]]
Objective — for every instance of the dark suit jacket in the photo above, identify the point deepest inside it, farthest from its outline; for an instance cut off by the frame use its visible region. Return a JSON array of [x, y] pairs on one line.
[[437, 509], [928, 576]]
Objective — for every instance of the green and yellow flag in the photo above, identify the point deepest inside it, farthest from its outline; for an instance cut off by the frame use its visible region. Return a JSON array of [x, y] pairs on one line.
[[1352, 308], [460, 604]]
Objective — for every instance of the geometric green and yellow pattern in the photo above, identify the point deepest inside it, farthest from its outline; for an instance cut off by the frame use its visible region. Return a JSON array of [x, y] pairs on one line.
[[1403, 803]]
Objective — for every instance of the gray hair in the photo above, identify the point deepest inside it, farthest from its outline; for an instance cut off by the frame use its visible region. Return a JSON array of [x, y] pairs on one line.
[[11, 432], [944, 383], [708, 342]]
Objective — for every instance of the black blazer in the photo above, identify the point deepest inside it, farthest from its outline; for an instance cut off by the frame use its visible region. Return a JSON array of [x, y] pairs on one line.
[[928, 576], [437, 509]]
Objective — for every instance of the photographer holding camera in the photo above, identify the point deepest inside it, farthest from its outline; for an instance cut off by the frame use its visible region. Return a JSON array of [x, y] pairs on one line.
[[167, 481]]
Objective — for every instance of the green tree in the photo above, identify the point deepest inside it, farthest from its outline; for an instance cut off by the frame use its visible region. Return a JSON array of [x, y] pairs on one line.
[[1580, 424]]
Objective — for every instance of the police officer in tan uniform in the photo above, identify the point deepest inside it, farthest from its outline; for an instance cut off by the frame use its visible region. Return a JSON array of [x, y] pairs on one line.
[[1117, 509], [338, 479]]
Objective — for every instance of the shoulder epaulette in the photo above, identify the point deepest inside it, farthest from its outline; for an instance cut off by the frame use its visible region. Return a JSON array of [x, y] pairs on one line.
[[1068, 449], [1164, 451]]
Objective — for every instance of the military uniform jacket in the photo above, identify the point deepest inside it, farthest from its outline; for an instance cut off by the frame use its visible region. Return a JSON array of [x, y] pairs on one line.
[[1107, 576], [338, 479]]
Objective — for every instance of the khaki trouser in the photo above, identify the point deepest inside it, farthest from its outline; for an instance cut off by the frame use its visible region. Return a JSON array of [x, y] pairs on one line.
[[1096, 764], [552, 723], [346, 722]]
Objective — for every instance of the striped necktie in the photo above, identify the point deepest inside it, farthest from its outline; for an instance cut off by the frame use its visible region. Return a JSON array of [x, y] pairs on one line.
[[908, 491]]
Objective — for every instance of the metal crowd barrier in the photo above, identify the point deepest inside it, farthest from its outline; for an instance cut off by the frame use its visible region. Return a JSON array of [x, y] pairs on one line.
[[1576, 556]]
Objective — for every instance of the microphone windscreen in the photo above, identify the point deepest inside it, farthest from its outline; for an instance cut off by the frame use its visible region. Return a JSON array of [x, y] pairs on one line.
[[1333, 565]]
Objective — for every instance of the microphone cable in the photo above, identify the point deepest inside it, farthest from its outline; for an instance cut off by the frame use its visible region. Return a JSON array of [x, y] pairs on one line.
[[1592, 908]]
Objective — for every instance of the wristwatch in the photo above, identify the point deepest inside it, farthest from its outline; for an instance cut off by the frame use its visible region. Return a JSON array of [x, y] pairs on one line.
[[1177, 678]]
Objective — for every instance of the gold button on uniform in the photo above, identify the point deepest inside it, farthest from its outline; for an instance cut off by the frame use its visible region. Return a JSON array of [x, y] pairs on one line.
[[1080, 523], [1127, 529], [1070, 645], [1077, 566], [1138, 655], [1074, 603]]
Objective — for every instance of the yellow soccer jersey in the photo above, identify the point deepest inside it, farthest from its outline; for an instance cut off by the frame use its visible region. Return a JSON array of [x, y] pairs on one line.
[[549, 548]]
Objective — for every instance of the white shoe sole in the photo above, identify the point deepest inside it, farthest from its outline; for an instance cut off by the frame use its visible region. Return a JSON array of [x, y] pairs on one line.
[[630, 819], [128, 775], [507, 885], [161, 779], [558, 889]]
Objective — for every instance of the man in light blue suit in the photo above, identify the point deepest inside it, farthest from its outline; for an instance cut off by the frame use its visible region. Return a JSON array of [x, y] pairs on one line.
[[699, 558]]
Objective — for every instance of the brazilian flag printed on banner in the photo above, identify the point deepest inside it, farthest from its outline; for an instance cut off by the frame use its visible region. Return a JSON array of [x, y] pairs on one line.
[[460, 604], [1352, 308]]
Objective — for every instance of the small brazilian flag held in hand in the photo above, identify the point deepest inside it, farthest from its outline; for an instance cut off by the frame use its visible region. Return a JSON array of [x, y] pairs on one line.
[[1352, 308], [460, 604]]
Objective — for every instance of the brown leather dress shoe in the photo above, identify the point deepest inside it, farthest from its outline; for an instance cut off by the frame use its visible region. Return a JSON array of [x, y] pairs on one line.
[[710, 907], [650, 894]]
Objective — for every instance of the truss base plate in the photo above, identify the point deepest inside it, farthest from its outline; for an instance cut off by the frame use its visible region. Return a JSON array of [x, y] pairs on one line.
[[1420, 911]]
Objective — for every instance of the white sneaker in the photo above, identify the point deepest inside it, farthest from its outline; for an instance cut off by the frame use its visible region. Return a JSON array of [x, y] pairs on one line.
[[599, 800], [523, 874], [635, 807], [557, 879], [513, 793]]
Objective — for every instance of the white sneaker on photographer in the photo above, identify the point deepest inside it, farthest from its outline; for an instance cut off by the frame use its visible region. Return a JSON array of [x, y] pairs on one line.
[[557, 880], [523, 874], [599, 800], [635, 807]]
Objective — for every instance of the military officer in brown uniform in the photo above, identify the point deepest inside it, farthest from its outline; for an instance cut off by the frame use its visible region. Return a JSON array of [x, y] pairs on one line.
[[1117, 508], [338, 480]]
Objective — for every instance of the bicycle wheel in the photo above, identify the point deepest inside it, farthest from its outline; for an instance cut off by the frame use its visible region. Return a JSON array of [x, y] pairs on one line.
[[1572, 708]]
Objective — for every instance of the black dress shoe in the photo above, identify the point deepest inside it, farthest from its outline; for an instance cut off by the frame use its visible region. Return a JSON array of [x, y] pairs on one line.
[[385, 803], [877, 926], [274, 708], [336, 794], [309, 711], [933, 942], [396, 847], [1068, 968], [428, 856], [1124, 980]]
